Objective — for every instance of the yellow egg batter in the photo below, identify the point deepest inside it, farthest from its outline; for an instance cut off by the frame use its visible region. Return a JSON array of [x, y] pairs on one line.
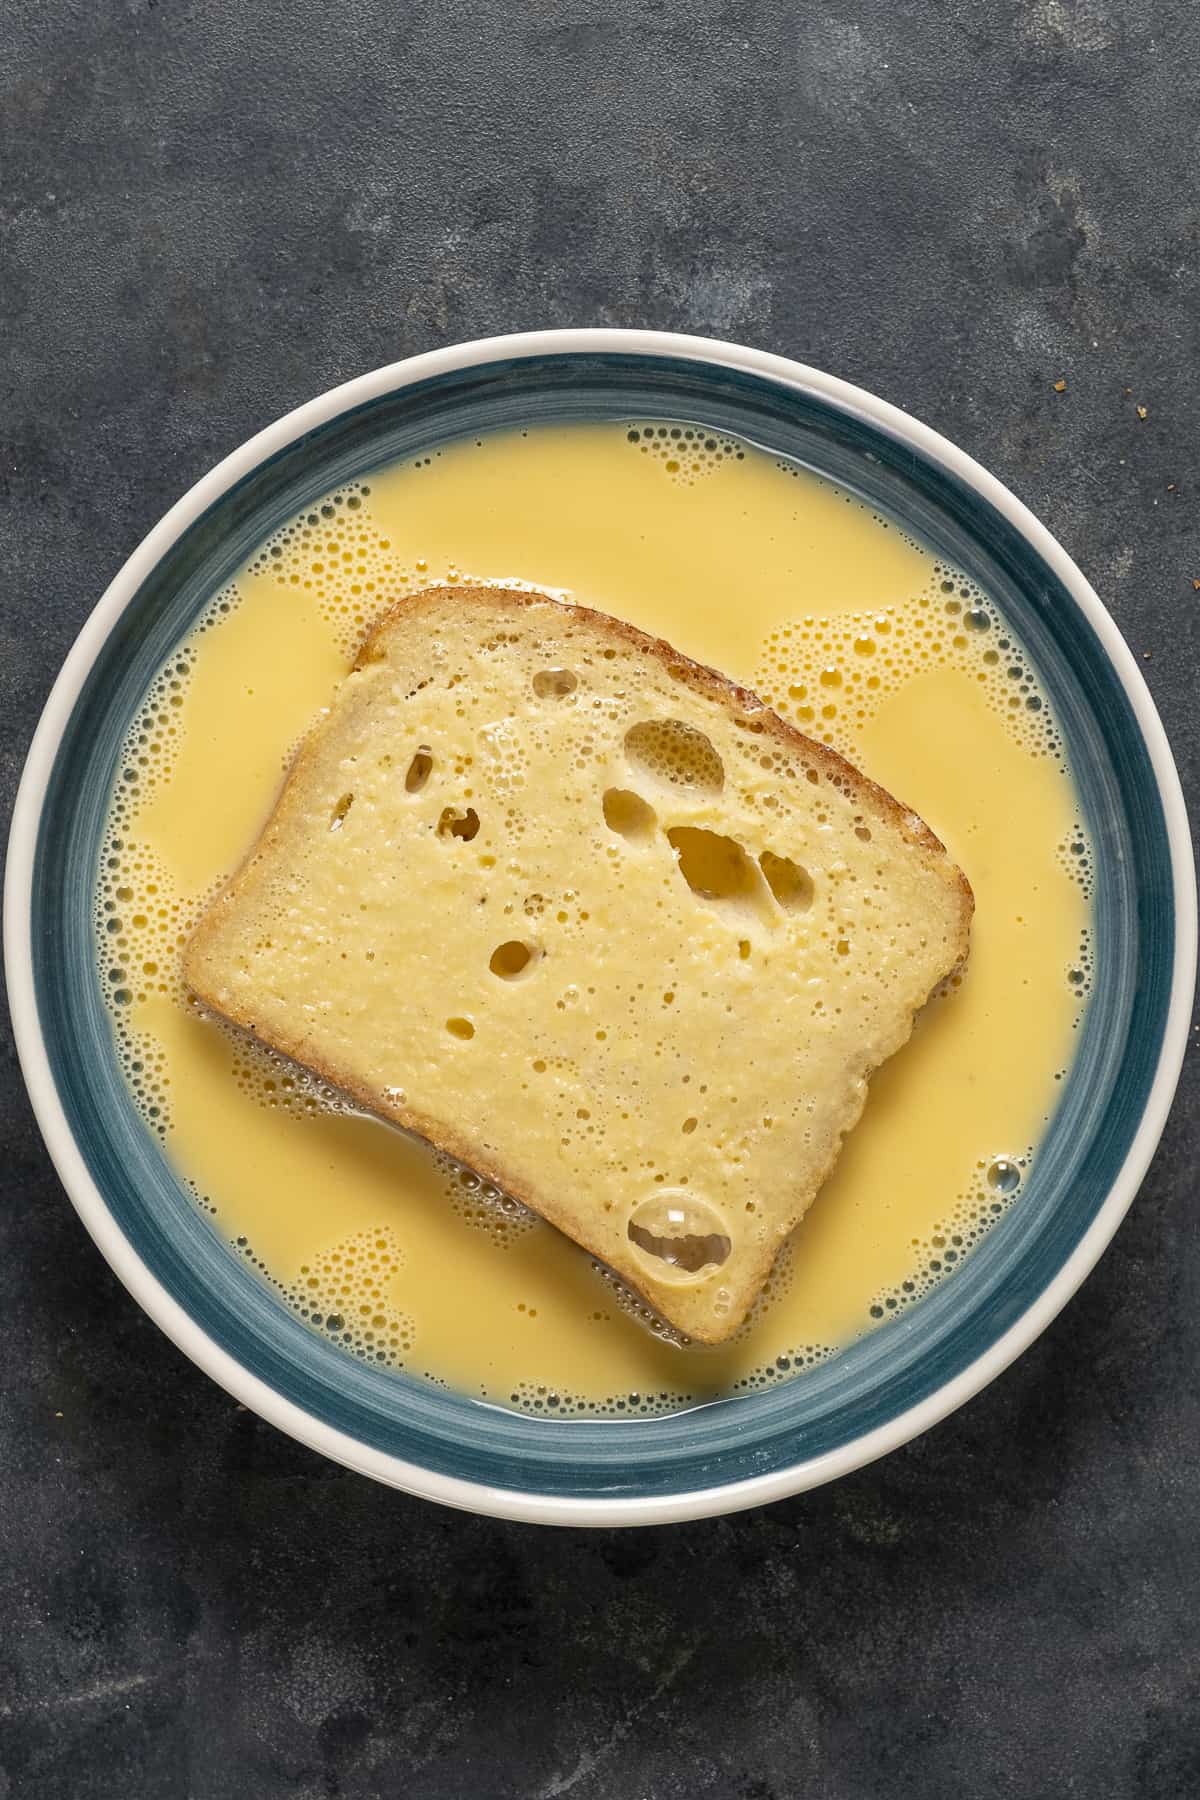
[[784, 582]]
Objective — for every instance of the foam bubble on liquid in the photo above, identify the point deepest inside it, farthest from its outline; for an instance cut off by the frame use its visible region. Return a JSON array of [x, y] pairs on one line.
[[152, 741], [147, 1072], [995, 1183], [1080, 972], [516, 584], [829, 676], [141, 923], [1076, 857], [140, 917], [555, 1402], [482, 1205], [343, 1293], [337, 553], [626, 1300], [686, 453], [275, 1082], [789, 1362]]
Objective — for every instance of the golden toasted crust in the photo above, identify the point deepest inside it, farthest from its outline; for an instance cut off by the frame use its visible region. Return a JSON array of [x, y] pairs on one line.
[[202, 954]]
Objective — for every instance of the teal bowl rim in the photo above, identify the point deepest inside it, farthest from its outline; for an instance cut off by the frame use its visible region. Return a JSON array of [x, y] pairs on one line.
[[1175, 922]]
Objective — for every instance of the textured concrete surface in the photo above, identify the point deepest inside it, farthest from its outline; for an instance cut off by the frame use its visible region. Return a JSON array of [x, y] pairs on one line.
[[210, 211]]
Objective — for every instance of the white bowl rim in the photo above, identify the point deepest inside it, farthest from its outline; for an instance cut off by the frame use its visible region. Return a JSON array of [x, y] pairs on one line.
[[179, 1326]]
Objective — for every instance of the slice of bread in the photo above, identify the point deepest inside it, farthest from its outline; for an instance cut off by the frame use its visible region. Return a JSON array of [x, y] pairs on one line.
[[593, 920]]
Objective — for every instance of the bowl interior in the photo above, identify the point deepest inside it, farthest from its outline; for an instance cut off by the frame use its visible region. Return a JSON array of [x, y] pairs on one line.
[[884, 1373]]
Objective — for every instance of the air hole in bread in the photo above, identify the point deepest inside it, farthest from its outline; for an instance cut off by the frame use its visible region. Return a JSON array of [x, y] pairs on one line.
[[717, 869], [629, 815], [679, 1235], [460, 1028], [459, 823], [338, 816], [670, 750], [791, 885], [863, 832], [419, 770], [555, 684], [513, 958]]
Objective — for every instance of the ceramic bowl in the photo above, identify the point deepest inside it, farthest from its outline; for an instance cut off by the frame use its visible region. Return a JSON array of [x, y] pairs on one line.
[[892, 1383]]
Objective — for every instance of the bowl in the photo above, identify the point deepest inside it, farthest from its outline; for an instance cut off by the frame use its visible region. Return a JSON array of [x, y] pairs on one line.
[[882, 1389]]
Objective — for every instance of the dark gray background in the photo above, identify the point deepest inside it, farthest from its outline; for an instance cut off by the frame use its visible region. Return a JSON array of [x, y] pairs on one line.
[[210, 211]]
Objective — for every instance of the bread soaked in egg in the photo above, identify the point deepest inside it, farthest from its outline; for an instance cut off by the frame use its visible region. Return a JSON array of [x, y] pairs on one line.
[[595, 921]]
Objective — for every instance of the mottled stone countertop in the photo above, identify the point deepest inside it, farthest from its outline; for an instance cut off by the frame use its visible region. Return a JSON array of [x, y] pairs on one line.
[[210, 211]]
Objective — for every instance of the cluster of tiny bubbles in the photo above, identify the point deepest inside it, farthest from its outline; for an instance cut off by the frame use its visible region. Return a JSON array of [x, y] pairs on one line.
[[336, 553], [1081, 972], [993, 1185], [276, 1083], [830, 675], [634, 1307], [787, 1364], [799, 472], [1077, 859], [144, 1066], [152, 740], [560, 1403], [218, 609], [343, 1293], [482, 1205], [141, 920], [203, 1201], [141, 924], [686, 452]]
